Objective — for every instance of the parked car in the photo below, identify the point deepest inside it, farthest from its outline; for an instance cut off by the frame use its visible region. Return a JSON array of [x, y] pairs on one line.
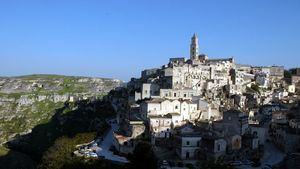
[[247, 162], [101, 157], [94, 145], [235, 163], [256, 164], [164, 164], [93, 154], [267, 166]]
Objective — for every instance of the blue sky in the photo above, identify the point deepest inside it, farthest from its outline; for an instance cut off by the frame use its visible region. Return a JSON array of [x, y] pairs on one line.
[[118, 39]]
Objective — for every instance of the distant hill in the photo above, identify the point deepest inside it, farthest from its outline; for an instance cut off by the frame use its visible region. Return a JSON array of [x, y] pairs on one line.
[[26, 101]]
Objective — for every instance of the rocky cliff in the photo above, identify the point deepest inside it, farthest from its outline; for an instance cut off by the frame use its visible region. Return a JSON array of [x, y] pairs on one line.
[[27, 101]]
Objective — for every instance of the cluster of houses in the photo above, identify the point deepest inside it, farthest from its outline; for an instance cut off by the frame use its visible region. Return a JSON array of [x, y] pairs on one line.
[[202, 107], [285, 130]]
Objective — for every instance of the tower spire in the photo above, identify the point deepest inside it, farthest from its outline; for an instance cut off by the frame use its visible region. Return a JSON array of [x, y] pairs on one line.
[[194, 48]]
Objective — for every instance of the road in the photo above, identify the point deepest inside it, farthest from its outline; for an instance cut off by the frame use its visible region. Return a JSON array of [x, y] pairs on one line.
[[271, 156], [103, 149]]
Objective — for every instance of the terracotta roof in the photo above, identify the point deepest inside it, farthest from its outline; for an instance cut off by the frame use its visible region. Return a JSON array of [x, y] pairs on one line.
[[121, 138]]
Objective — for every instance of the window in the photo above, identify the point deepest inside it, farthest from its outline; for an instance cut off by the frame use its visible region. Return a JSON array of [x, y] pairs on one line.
[[174, 94], [184, 95], [219, 147], [176, 107], [187, 143], [146, 91], [255, 133]]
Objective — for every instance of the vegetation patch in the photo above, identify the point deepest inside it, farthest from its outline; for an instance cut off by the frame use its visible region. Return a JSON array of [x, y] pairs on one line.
[[3, 151]]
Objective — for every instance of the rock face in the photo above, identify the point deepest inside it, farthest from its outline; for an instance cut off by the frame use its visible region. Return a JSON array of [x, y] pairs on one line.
[[31, 100]]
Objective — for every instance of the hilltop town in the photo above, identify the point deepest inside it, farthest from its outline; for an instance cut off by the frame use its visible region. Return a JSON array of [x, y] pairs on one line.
[[160, 84], [199, 112], [205, 108]]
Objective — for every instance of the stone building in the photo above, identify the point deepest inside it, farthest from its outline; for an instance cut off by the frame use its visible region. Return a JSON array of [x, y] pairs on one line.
[[295, 79], [187, 142], [212, 146], [194, 48], [156, 107], [198, 90], [124, 140]]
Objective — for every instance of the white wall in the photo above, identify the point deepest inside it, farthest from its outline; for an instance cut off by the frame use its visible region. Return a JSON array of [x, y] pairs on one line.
[[160, 127], [220, 143], [149, 90]]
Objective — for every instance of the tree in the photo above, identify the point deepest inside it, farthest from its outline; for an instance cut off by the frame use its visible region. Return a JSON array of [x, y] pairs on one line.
[[143, 157], [212, 164], [255, 87], [59, 156], [287, 74], [61, 152]]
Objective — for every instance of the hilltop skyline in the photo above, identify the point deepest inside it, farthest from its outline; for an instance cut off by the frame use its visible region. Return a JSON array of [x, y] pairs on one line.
[[119, 39]]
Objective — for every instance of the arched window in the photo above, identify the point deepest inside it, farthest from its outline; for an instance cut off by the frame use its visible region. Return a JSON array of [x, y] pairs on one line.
[[255, 133]]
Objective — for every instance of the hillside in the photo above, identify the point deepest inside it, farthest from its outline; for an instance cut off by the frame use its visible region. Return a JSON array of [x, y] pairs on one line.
[[27, 101]]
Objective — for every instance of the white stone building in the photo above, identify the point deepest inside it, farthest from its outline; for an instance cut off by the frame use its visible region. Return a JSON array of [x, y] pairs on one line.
[[160, 107], [262, 79]]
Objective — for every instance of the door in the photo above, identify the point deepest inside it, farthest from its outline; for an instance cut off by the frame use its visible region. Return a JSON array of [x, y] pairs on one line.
[[187, 155]]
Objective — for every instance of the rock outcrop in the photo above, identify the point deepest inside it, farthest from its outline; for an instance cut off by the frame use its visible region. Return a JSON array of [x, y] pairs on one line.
[[31, 100]]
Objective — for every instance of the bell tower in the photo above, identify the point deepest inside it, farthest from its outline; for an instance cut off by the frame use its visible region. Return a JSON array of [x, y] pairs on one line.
[[194, 48]]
